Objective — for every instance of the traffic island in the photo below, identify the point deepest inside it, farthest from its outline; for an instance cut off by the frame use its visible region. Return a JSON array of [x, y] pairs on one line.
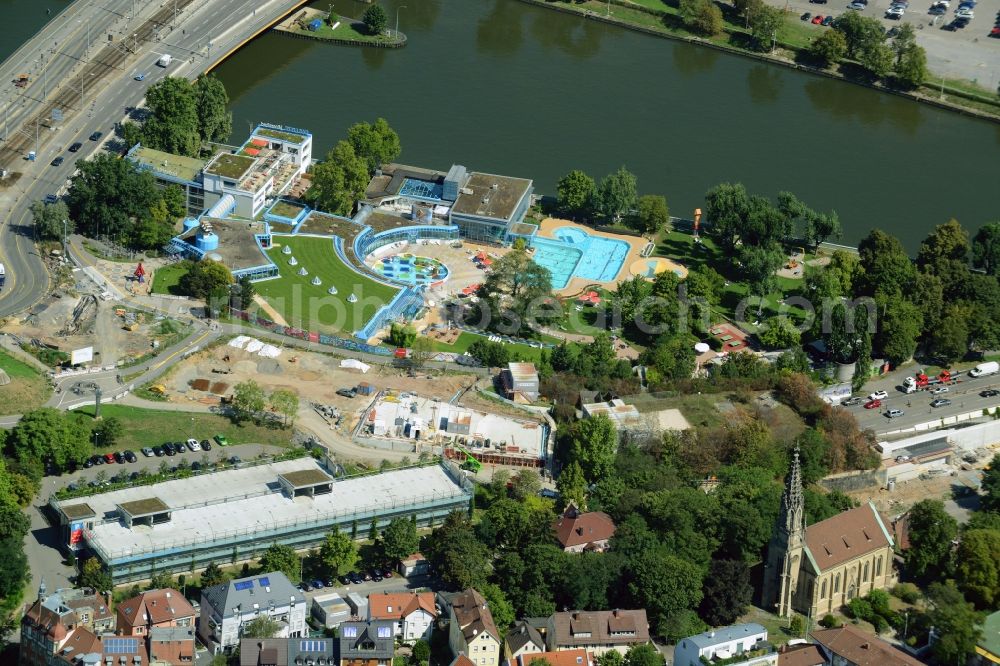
[[312, 23]]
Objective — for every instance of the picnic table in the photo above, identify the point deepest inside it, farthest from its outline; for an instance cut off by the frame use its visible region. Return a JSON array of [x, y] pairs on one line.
[[726, 338]]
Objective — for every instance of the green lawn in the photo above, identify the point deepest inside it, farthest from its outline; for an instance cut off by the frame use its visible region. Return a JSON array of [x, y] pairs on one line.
[[348, 29], [166, 278], [150, 427], [310, 307], [465, 340], [28, 388]]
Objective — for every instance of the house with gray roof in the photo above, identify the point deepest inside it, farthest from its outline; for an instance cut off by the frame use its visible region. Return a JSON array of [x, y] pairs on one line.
[[367, 643], [725, 643], [522, 639], [226, 608]]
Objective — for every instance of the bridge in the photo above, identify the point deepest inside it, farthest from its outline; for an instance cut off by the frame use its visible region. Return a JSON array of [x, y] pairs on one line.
[[80, 71]]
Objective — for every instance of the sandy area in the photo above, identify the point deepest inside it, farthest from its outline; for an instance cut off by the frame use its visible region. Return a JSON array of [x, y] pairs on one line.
[[670, 419]]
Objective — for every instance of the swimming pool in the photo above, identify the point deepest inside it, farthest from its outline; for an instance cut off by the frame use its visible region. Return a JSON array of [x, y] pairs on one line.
[[575, 253], [411, 269]]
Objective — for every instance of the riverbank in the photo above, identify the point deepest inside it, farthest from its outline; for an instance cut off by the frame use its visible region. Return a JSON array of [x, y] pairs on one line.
[[344, 30], [656, 18]]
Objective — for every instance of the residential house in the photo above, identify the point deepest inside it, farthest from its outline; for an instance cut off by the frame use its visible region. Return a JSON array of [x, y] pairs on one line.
[[849, 646], [619, 413], [155, 608], [597, 631], [84, 648], [461, 660], [412, 613], [522, 639], [67, 617], [414, 565], [817, 569], [805, 654], [574, 657], [472, 631], [264, 652], [578, 531], [366, 644], [226, 608], [520, 382], [724, 643], [988, 646], [288, 651], [172, 645]]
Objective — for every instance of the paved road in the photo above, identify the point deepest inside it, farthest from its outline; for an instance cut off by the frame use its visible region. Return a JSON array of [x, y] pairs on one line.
[[204, 32]]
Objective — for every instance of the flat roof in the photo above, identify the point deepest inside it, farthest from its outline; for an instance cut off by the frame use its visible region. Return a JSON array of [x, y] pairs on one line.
[[231, 166], [281, 135], [144, 507], [237, 246], [492, 196], [77, 511], [306, 478], [215, 506], [522, 371], [179, 166]]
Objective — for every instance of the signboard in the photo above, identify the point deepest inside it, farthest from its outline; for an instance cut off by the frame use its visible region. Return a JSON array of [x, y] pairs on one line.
[[57, 115], [75, 533], [78, 356]]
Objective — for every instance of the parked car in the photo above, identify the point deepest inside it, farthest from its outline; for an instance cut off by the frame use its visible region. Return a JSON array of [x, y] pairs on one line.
[[306, 587], [345, 579], [193, 445], [347, 392], [989, 393], [902, 458], [96, 136], [828, 20], [356, 578], [878, 395], [806, 16], [377, 576], [58, 161], [235, 460], [856, 6], [939, 390], [221, 440], [853, 400], [109, 458], [179, 447], [168, 448], [75, 147], [873, 404], [97, 460], [817, 19], [206, 445], [318, 584], [148, 452], [130, 456], [158, 451], [937, 11], [893, 413], [88, 463], [140, 77], [940, 402]]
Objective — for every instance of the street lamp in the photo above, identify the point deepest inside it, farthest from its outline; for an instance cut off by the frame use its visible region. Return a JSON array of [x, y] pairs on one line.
[[397, 20]]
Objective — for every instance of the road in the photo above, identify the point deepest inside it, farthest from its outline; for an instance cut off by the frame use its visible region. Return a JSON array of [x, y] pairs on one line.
[[93, 87]]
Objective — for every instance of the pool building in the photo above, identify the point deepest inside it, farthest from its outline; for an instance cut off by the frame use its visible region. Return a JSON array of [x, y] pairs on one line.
[[234, 515]]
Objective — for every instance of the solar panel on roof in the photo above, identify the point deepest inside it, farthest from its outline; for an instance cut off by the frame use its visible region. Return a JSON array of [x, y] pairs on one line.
[[243, 584], [263, 582], [121, 645], [312, 646], [384, 632]]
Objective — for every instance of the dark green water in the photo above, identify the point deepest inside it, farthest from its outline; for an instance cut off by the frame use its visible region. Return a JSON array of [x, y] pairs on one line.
[[23, 18]]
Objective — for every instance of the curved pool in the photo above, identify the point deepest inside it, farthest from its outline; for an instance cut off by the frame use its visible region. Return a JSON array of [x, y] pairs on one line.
[[574, 253], [411, 269]]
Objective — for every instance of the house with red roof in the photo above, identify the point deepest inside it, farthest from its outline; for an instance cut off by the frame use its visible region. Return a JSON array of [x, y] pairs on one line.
[[578, 531], [412, 613]]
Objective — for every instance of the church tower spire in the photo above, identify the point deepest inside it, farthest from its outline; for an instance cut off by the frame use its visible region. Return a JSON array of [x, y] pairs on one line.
[[786, 548]]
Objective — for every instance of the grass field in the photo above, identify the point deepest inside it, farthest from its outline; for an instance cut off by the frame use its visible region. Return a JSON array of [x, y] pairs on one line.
[[348, 29], [28, 388], [311, 307], [166, 278], [465, 340], [150, 427]]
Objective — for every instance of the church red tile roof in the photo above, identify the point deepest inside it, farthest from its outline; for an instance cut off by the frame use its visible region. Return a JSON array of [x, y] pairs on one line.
[[845, 536]]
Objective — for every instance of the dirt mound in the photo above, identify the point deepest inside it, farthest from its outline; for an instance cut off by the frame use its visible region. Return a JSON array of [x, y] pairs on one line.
[[200, 384], [270, 367], [219, 388], [309, 376], [245, 367]]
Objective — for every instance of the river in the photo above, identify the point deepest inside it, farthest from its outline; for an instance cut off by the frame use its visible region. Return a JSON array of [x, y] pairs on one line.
[[505, 87]]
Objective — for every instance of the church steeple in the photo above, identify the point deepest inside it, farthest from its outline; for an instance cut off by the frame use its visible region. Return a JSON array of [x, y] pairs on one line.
[[793, 503], [785, 551]]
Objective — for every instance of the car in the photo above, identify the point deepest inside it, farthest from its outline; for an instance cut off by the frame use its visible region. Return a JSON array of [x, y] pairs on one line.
[[300, 586], [960, 22], [318, 584], [75, 147], [119, 457], [894, 14], [817, 19], [850, 402], [937, 11], [88, 463], [179, 447], [206, 445], [856, 6], [878, 395], [51, 198], [995, 32], [129, 456], [221, 440], [329, 582], [873, 404], [109, 458], [347, 392], [893, 413], [942, 3], [902, 458], [306, 587], [818, 2], [193, 445], [367, 575], [96, 136], [356, 578], [940, 402], [387, 572], [377, 576], [989, 393], [158, 451], [806, 16], [960, 14], [148, 452], [893, 31], [235, 460], [58, 161], [168, 448], [345, 579], [939, 390], [139, 77], [828, 20]]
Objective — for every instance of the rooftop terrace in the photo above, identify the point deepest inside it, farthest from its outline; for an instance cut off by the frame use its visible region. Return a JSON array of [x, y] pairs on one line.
[[178, 166]]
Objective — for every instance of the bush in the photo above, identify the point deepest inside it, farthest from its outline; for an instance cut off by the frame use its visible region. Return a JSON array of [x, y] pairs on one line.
[[829, 621], [907, 592]]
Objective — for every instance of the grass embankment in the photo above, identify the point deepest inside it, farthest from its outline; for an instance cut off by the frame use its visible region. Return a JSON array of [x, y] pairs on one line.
[[465, 340], [309, 306], [28, 388], [347, 30], [151, 427], [167, 278]]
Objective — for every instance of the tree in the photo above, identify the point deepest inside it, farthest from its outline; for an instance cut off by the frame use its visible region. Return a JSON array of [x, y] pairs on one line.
[[454, 550], [421, 653], [948, 341], [286, 403], [514, 287], [900, 327], [764, 24], [246, 291], [160, 580], [877, 59], [48, 436], [821, 227], [338, 553], [279, 557], [206, 279], [490, 354], [500, 608], [726, 593], [663, 584], [48, 219], [215, 120], [173, 122], [402, 335], [261, 626], [681, 625], [779, 333], [990, 499], [726, 205], [421, 351], [594, 445], [617, 194], [212, 575], [575, 193], [702, 16], [956, 622], [931, 532], [375, 19], [860, 32], [643, 654], [248, 400], [525, 483], [376, 143], [977, 567], [760, 264], [652, 214], [400, 539], [911, 69], [572, 486], [885, 266], [986, 248], [107, 194], [341, 179], [107, 431], [94, 575], [153, 229], [830, 47]]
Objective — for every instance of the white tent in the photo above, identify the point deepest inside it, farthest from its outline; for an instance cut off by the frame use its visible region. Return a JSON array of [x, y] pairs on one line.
[[355, 364]]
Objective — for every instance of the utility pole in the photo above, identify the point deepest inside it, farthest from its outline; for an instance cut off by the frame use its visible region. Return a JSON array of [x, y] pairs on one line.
[[65, 255]]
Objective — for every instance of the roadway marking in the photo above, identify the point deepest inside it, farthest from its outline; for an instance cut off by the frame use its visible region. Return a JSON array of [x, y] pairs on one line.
[[184, 349]]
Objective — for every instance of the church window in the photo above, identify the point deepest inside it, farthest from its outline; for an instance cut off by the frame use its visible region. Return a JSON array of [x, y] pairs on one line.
[[836, 584], [822, 590], [878, 566], [865, 579]]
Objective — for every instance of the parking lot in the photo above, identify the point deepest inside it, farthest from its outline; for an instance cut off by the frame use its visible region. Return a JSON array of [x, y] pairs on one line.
[[968, 53]]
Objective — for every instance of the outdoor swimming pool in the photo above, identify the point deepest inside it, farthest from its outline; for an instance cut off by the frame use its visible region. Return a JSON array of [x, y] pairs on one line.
[[410, 269], [575, 253]]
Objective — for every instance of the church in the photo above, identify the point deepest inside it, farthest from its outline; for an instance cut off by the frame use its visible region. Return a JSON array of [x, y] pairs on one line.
[[817, 569]]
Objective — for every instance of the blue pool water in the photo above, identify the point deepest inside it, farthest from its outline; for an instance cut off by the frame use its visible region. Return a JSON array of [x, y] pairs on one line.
[[412, 270], [575, 253], [421, 189]]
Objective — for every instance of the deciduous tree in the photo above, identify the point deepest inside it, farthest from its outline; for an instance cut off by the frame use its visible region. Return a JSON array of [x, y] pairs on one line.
[[514, 288], [652, 215], [173, 122], [215, 120], [286, 403], [248, 400], [340, 180], [400, 539], [48, 219], [376, 143], [375, 19], [212, 575], [338, 553], [726, 593], [208, 280], [830, 47], [617, 194], [279, 557], [593, 445], [986, 248], [957, 624], [977, 567], [931, 532], [575, 194], [261, 626]]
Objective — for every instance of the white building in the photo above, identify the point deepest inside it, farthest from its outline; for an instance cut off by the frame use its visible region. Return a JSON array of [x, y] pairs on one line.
[[412, 613], [726, 643], [226, 608], [330, 609]]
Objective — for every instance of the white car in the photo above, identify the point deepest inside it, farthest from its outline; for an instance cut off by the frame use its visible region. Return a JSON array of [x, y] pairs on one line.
[[193, 445], [965, 13], [942, 3], [940, 389], [878, 395]]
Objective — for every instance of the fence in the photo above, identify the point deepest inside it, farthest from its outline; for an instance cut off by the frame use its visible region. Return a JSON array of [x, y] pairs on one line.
[[308, 336]]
